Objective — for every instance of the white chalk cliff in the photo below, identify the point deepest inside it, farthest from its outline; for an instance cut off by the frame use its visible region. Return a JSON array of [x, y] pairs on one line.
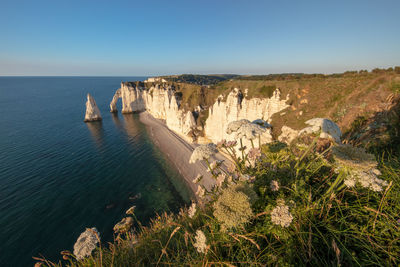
[[237, 107], [160, 101], [113, 104], [92, 111]]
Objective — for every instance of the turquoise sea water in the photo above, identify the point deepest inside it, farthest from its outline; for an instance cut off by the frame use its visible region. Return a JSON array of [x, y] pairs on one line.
[[59, 175]]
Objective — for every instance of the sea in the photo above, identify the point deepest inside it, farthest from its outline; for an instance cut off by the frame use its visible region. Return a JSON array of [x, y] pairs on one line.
[[59, 175]]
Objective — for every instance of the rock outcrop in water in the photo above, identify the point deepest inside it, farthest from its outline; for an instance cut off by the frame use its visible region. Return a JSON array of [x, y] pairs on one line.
[[92, 111], [113, 104], [161, 102]]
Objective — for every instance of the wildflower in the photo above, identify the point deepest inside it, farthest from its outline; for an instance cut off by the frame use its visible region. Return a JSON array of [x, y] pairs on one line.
[[213, 165], [231, 168], [131, 210], [220, 179], [124, 225], [231, 143], [360, 167], [235, 125], [203, 152], [233, 207], [221, 143], [192, 210], [350, 181], [200, 191], [254, 153], [86, 243], [201, 240], [197, 179], [368, 179], [274, 185], [249, 131], [280, 215]]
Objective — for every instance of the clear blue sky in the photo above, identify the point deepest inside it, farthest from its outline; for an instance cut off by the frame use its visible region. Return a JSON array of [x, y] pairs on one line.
[[68, 37]]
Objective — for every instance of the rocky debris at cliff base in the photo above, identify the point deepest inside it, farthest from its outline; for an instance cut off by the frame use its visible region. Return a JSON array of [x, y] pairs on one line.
[[86, 243], [124, 225], [92, 111]]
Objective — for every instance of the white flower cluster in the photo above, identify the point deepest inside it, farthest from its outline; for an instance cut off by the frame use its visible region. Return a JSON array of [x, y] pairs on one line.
[[220, 179], [214, 165], [201, 240], [359, 166], [200, 191], [250, 131], [235, 125], [192, 210], [203, 152], [280, 215], [86, 243], [274, 185], [367, 179]]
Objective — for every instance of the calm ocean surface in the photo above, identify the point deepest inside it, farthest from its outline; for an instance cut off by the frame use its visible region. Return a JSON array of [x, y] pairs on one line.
[[59, 175]]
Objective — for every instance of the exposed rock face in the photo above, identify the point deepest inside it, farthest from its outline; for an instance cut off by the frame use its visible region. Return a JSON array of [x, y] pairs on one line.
[[113, 104], [92, 111], [236, 108], [160, 101], [328, 129], [288, 134]]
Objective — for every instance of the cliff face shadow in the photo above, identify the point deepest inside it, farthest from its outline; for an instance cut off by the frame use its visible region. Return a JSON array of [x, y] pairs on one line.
[[97, 132]]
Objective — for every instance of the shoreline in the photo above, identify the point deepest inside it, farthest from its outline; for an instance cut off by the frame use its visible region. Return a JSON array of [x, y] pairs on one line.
[[178, 151]]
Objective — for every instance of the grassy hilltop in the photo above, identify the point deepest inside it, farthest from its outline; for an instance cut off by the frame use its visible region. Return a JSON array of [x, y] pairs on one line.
[[340, 97]]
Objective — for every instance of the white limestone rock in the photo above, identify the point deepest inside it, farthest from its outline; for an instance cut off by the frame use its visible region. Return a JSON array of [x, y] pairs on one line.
[[328, 129], [132, 99], [288, 134], [161, 103], [236, 108], [113, 104], [92, 111]]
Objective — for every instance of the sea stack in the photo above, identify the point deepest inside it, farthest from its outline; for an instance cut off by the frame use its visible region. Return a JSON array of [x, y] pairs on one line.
[[113, 104], [92, 111]]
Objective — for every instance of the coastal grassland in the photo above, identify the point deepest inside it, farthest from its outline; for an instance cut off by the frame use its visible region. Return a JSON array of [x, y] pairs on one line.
[[301, 214], [340, 97]]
